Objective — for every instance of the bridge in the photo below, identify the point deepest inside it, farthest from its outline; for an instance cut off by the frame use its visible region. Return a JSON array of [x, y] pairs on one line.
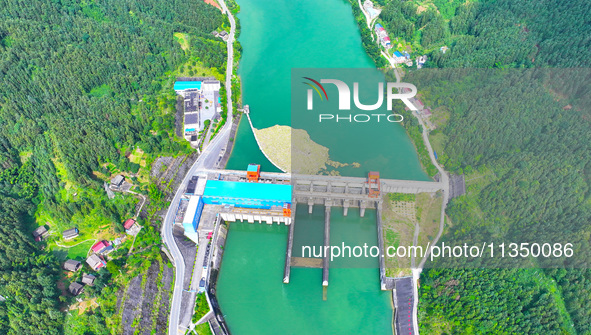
[[337, 185]]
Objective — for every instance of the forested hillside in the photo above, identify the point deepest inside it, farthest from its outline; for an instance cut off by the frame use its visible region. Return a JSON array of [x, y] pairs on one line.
[[489, 33], [522, 137], [527, 164], [82, 83], [523, 140]]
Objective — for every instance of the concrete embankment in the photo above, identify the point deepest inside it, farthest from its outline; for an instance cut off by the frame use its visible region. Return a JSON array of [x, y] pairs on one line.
[[288, 252], [325, 262]]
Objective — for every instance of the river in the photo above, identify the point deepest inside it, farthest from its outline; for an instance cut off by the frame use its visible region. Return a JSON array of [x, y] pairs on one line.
[[277, 36]]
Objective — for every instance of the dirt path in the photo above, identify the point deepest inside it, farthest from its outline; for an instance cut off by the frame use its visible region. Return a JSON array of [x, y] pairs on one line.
[[73, 245]]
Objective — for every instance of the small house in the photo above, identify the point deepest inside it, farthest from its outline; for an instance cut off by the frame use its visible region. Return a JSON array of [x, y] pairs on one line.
[[72, 265], [128, 223], [88, 279], [76, 288], [100, 246], [40, 233], [70, 233], [419, 104], [95, 262], [117, 181], [107, 250], [133, 229]]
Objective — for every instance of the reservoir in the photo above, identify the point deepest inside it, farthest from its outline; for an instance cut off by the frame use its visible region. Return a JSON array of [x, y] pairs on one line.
[[277, 36]]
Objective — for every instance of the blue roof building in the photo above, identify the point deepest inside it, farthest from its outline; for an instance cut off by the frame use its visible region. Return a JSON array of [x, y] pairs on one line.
[[185, 85], [397, 54], [193, 214], [378, 26], [246, 195]]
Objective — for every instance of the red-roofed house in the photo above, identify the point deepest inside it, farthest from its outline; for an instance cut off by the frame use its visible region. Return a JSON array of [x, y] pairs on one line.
[[419, 104], [99, 246], [128, 223]]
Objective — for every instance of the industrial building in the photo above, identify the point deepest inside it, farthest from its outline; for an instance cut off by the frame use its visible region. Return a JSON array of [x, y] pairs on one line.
[[246, 195], [182, 86], [243, 196], [253, 172], [192, 217], [201, 103]]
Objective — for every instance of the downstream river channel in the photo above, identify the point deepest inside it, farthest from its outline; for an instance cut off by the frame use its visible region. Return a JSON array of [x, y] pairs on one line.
[[276, 36]]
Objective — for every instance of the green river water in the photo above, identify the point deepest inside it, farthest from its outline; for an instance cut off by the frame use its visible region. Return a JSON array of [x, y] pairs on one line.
[[277, 36]]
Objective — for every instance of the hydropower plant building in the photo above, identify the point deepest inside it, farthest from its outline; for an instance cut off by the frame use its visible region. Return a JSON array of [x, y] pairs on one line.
[[240, 196], [246, 195], [250, 201]]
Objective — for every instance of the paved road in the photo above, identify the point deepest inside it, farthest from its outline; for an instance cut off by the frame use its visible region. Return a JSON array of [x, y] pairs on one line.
[[230, 63], [206, 160]]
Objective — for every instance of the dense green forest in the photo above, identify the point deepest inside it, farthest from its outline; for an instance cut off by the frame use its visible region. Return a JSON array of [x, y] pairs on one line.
[[82, 83], [523, 140], [528, 166], [492, 33]]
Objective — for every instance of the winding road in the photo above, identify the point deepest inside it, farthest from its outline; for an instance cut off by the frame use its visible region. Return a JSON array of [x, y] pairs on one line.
[[207, 159]]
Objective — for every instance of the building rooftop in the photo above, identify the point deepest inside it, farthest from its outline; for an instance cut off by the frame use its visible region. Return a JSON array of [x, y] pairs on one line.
[[39, 231], [191, 118], [100, 245], [95, 261], [88, 279], [72, 265], [192, 185], [184, 85], [128, 223], [118, 180], [191, 100], [69, 233], [191, 210], [234, 189], [76, 288]]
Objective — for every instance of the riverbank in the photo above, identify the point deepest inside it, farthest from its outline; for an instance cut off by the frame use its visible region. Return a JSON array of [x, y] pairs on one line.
[[369, 45], [415, 133]]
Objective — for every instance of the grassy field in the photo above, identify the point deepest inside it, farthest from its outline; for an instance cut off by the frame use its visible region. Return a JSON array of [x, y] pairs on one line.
[[183, 40], [428, 214], [203, 329], [80, 250], [401, 213], [438, 142], [398, 225]]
